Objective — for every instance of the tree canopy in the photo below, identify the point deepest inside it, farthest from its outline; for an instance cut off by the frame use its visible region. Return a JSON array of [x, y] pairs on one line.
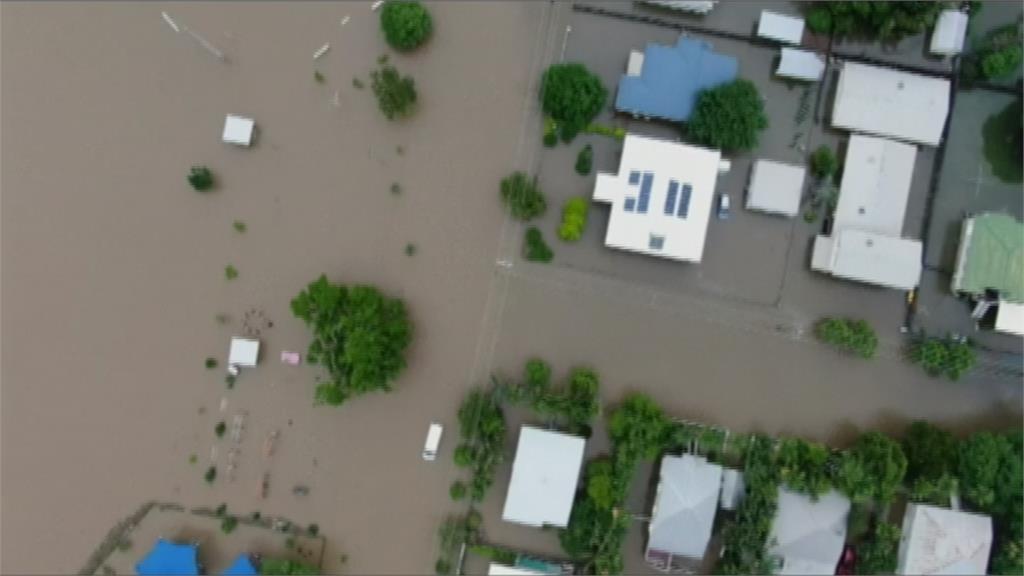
[[803, 466], [406, 24], [877, 554], [522, 196], [981, 456], [396, 95], [729, 117], [572, 96], [638, 428], [359, 336], [889, 21], [931, 451], [873, 468]]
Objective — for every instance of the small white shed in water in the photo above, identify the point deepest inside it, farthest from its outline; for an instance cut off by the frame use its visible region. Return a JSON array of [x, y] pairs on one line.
[[238, 130], [775, 187], [800, 65], [1010, 318], [781, 28], [695, 6], [949, 32], [244, 353]]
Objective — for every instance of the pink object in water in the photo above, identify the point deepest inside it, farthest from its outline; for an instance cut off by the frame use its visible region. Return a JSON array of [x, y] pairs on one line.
[[290, 358]]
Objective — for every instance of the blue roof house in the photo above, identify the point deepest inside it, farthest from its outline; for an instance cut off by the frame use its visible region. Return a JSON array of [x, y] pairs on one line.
[[169, 559], [242, 566], [664, 81]]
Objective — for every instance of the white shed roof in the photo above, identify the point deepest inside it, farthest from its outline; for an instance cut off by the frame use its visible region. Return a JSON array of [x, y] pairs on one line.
[[544, 477], [496, 569], [808, 536], [852, 254], [775, 187], [244, 352], [888, 102], [942, 541], [801, 65], [775, 26], [661, 198], [696, 6], [238, 130], [685, 505], [948, 35], [1010, 318], [876, 184]]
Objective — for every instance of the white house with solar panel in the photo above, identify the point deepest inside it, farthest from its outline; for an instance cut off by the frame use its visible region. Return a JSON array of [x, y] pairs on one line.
[[661, 198]]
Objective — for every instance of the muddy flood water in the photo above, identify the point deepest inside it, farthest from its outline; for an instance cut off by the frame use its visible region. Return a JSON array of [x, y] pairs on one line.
[[114, 269]]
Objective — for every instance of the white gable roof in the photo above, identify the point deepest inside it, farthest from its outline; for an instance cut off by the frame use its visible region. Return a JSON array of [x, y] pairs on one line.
[[544, 477], [660, 166], [888, 102], [684, 509], [808, 536], [948, 35], [941, 541], [775, 187], [876, 184], [775, 26], [801, 65]]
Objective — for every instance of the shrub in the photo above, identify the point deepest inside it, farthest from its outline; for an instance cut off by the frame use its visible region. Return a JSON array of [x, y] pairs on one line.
[[221, 510], [463, 455], [537, 250], [406, 25], [457, 490], [574, 219], [943, 356], [318, 77], [523, 198], [200, 178], [499, 555], [848, 335], [210, 363], [823, 162], [281, 567], [873, 468], [1002, 62], [585, 160], [396, 95], [572, 96], [211, 474], [357, 83], [612, 131], [877, 555], [802, 466], [410, 249], [219, 429], [550, 132], [239, 226], [819, 19], [728, 117], [228, 524], [230, 272]]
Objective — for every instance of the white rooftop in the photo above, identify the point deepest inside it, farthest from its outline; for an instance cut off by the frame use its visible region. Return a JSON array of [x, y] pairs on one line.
[[942, 541], [949, 32], [661, 198], [808, 536], [801, 65], [775, 187], [244, 352], [891, 103], [696, 6], [238, 130], [685, 505], [496, 569], [775, 26], [876, 184], [544, 477], [1010, 318], [853, 254]]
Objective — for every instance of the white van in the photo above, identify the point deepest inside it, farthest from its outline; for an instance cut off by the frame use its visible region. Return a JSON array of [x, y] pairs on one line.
[[433, 441]]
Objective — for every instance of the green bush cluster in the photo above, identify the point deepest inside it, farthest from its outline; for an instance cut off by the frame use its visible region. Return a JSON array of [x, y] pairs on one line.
[[453, 533], [535, 248], [482, 429], [396, 94], [803, 466], [572, 96], [577, 402], [201, 178], [616, 132], [406, 24], [359, 336], [848, 335], [885, 20], [522, 196], [585, 160], [872, 469], [728, 117], [877, 554], [823, 162], [943, 356], [574, 219], [495, 553]]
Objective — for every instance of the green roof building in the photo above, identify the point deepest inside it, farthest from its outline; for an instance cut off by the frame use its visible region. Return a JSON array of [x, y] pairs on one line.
[[991, 256]]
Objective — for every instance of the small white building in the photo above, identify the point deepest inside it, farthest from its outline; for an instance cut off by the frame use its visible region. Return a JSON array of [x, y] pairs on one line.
[[238, 130], [661, 198], [807, 536], [800, 65], [497, 569], [949, 33], [695, 6], [684, 511], [852, 254], [544, 477], [891, 103], [942, 541], [781, 28], [775, 187], [244, 353]]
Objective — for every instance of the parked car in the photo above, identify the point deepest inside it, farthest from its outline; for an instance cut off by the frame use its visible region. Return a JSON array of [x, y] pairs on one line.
[[434, 433], [723, 207]]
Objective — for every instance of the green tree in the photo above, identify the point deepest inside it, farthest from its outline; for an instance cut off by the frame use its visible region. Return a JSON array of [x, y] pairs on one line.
[[201, 178], [981, 456], [1003, 142], [396, 95], [535, 248], [585, 160], [931, 451], [601, 484], [406, 25], [803, 466], [638, 428], [582, 402], [728, 117], [823, 162], [943, 356], [1002, 62], [885, 20], [522, 196], [746, 535], [457, 490], [873, 468], [572, 96], [359, 336], [463, 455], [282, 567], [574, 219], [877, 554], [537, 377], [228, 524]]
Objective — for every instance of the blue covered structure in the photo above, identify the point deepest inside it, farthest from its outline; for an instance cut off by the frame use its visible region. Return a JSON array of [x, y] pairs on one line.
[[671, 78], [242, 566], [169, 559]]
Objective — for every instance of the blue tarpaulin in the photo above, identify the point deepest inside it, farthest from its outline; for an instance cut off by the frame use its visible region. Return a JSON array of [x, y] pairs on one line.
[[169, 559], [671, 79], [242, 566]]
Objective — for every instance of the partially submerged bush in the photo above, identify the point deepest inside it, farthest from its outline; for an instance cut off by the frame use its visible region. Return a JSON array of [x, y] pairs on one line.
[[574, 219], [522, 196], [396, 94], [406, 25], [585, 160], [537, 250], [823, 162], [943, 356], [848, 335], [200, 178]]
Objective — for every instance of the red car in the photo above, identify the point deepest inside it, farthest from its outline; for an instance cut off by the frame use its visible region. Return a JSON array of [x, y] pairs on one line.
[[847, 562]]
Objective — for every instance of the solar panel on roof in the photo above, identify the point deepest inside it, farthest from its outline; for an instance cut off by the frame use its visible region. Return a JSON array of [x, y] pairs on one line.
[[684, 201], [645, 193], [630, 204], [670, 200]]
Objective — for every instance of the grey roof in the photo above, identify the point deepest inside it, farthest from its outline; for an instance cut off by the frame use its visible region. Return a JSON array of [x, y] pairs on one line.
[[942, 541], [684, 509], [808, 536]]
